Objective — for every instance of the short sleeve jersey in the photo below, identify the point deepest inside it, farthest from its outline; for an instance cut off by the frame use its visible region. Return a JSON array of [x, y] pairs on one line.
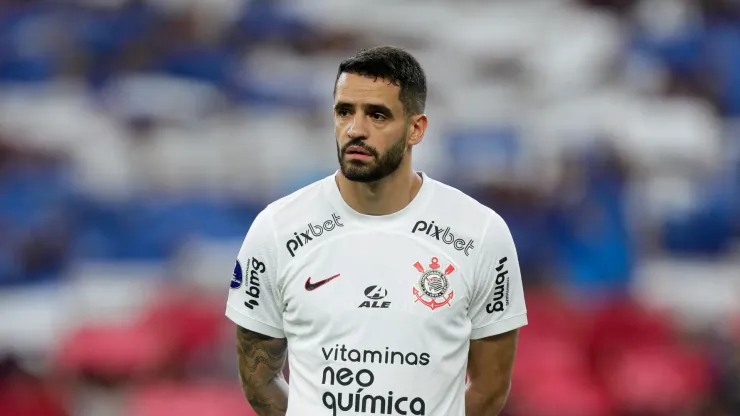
[[378, 311]]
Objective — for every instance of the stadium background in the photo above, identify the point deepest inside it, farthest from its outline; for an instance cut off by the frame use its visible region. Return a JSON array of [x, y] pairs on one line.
[[138, 139]]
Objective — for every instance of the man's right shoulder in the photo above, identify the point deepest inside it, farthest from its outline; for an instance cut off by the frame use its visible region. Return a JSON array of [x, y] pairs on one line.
[[300, 203], [301, 217], [310, 194]]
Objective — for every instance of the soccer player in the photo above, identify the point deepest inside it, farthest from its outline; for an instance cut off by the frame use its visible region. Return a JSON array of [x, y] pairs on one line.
[[385, 286]]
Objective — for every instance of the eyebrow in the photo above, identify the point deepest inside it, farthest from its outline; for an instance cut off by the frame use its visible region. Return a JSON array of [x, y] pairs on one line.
[[343, 105], [368, 108], [378, 108]]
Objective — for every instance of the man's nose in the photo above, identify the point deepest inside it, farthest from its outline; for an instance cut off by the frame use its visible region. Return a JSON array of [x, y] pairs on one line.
[[358, 128]]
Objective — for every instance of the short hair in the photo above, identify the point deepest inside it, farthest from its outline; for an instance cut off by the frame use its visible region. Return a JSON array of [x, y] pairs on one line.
[[394, 65]]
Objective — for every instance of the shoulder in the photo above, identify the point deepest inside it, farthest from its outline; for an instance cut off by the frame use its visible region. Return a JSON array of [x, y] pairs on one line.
[[301, 217], [464, 211], [296, 207], [297, 200]]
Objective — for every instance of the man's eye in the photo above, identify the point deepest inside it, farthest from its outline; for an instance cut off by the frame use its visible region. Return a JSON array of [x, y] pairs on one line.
[[342, 113], [378, 116]]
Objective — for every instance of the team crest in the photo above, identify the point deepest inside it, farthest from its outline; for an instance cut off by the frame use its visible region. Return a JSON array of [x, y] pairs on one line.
[[431, 288]]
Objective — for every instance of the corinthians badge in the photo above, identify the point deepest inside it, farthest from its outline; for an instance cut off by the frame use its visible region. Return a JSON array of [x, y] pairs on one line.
[[431, 289]]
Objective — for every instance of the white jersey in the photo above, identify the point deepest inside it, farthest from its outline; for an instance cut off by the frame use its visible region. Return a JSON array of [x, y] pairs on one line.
[[378, 311]]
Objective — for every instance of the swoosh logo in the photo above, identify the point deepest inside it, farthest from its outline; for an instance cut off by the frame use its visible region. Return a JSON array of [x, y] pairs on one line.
[[310, 286]]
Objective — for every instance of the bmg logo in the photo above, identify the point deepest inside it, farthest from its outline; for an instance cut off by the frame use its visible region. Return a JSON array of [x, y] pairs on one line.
[[255, 269], [501, 290]]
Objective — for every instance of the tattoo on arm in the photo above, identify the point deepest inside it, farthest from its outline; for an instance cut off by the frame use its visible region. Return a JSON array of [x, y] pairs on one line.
[[261, 360]]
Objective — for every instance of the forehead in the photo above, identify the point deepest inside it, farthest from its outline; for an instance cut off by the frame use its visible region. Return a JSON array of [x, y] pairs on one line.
[[357, 89]]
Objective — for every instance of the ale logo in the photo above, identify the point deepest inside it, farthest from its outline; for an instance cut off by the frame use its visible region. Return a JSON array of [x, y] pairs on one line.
[[375, 294]]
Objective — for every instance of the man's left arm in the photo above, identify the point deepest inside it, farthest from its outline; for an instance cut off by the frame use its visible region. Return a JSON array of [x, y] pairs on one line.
[[490, 364], [497, 311]]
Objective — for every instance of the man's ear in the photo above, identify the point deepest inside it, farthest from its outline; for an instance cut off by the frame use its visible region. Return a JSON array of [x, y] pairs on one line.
[[417, 128]]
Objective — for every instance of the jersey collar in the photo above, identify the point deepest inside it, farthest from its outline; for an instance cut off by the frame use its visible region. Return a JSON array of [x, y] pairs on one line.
[[414, 207]]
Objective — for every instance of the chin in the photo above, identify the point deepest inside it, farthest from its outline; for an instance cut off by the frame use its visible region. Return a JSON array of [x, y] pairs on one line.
[[358, 172], [361, 178], [358, 166], [363, 175]]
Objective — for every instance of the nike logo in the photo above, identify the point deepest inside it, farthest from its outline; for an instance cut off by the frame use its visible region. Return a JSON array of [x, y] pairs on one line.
[[315, 285]]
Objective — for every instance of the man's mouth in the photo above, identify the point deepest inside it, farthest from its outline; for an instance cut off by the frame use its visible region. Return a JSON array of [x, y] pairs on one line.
[[357, 151]]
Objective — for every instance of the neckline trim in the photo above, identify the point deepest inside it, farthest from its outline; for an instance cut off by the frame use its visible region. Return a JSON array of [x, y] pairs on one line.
[[420, 199]]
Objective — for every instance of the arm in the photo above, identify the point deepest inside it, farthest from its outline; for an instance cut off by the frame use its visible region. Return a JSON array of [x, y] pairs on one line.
[[497, 311], [256, 307], [490, 364], [261, 360]]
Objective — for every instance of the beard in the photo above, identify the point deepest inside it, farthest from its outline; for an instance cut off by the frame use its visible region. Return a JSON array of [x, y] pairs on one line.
[[380, 167]]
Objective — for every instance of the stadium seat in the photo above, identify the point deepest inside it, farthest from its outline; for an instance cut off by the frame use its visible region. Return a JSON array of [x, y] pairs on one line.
[[625, 324], [723, 51], [23, 395], [114, 352], [623, 327], [660, 381], [268, 20], [707, 229], [487, 152], [556, 395], [105, 34], [192, 323], [208, 65], [550, 314], [15, 24], [539, 357], [680, 51], [188, 400], [31, 193]]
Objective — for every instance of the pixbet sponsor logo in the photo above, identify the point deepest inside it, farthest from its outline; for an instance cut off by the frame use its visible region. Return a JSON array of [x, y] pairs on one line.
[[443, 234], [501, 290], [360, 400], [375, 294], [313, 231], [255, 269]]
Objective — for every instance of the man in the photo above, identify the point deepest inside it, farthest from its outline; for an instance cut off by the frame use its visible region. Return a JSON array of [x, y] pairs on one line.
[[386, 286]]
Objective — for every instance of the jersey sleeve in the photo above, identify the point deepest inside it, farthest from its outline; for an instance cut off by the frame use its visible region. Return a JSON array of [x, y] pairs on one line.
[[253, 301], [497, 305]]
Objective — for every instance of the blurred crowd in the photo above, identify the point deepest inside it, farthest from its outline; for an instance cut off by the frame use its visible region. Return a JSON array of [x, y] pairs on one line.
[[140, 138]]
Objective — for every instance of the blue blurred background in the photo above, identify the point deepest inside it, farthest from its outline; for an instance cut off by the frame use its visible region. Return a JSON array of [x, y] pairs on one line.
[[139, 139]]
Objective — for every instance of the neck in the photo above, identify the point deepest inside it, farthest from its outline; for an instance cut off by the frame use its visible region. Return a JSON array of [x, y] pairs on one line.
[[386, 196]]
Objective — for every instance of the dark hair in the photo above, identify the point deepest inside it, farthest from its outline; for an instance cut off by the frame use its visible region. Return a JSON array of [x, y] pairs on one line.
[[394, 65]]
